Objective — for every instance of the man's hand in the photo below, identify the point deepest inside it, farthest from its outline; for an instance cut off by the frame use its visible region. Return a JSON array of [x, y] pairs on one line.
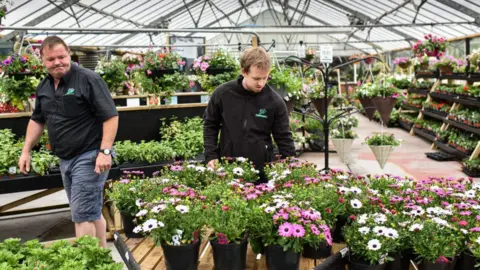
[[103, 163], [213, 163], [24, 162]]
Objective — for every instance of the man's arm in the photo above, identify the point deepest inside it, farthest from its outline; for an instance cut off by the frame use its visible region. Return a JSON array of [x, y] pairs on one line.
[[104, 162], [211, 127], [281, 131], [34, 132]]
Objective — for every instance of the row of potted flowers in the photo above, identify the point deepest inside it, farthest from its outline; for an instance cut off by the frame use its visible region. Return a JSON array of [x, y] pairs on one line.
[[389, 219], [467, 116]]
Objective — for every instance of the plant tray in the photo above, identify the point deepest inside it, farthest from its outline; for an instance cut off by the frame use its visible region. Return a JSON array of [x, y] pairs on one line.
[[453, 76], [436, 115], [405, 106], [443, 96], [421, 91], [424, 134], [440, 156], [471, 173], [463, 126], [445, 147], [427, 74], [404, 125]]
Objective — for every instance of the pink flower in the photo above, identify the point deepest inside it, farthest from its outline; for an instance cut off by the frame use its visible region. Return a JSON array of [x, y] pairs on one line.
[[124, 181], [204, 66], [476, 229], [222, 239], [225, 208], [282, 215], [477, 217], [176, 168], [285, 230], [191, 84], [442, 259], [298, 231], [252, 196], [327, 234], [149, 72], [463, 223], [314, 229], [465, 213]]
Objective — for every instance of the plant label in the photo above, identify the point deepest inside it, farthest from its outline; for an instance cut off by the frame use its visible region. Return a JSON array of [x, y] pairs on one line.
[[12, 170], [205, 98], [326, 54], [344, 251], [133, 102]]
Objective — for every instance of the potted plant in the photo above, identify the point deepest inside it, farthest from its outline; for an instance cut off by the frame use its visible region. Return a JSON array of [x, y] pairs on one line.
[[176, 224], [113, 72], [431, 46], [186, 136], [436, 244], [472, 167], [130, 154], [287, 84], [228, 218], [403, 62], [384, 101], [382, 144], [316, 92], [216, 69], [365, 94], [446, 64]]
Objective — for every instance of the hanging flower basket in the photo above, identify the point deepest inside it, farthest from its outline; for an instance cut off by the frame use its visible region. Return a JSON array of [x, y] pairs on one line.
[[216, 71], [384, 106], [382, 152], [343, 147], [320, 105], [369, 107], [290, 104]]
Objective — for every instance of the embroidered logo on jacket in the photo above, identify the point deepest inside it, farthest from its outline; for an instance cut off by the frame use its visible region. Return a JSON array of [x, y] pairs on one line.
[[70, 91], [262, 113]]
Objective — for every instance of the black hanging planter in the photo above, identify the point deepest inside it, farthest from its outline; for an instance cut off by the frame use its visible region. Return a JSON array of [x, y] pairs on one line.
[[129, 225], [184, 257], [356, 264], [156, 73], [277, 259], [230, 256], [438, 266], [216, 71], [323, 251], [466, 262], [400, 262]]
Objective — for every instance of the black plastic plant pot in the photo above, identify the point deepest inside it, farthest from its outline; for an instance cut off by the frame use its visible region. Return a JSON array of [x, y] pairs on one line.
[[323, 251], [356, 264], [129, 225], [257, 246], [184, 257], [400, 262], [466, 262], [438, 266], [230, 256], [216, 71], [277, 259], [338, 229]]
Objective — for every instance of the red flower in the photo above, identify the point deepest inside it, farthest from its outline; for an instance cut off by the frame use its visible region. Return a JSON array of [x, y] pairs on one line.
[[225, 208], [352, 217], [328, 210], [454, 219], [463, 223], [341, 200], [465, 88], [442, 259]]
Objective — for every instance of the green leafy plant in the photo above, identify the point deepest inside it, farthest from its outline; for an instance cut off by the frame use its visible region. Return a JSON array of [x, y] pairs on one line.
[[211, 82], [143, 152], [287, 78], [186, 137], [382, 139], [229, 220], [113, 73], [42, 161]]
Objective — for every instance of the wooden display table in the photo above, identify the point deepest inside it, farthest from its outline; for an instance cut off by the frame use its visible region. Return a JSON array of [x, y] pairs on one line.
[[147, 256]]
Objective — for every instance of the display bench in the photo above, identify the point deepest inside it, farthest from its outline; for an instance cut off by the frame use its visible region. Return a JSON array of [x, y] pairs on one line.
[[141, 253], [150, 99]]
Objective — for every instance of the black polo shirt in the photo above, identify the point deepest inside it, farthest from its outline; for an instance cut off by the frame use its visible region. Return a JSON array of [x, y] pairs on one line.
[[75, 112]]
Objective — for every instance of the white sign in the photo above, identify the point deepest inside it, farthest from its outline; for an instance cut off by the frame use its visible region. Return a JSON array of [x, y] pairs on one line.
[[204, 98], [326, 54], [133, 102]]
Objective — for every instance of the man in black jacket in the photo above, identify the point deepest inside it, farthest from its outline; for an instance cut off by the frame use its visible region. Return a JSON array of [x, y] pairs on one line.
[[248, 112]]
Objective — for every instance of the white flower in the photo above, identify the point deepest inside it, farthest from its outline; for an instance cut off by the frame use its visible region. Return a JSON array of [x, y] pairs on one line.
[[379, 218], [158, 208], [433, 188], [391, 233], [179, 232], [356, 204], [470, 194], [362, 219], [241, 159], [141, 213], [139, 202], [342, 177], [255, 171], [289, 196], [328, 185], [403, 224], [476, 207], [476, 186], [344, 190], [200, 169], [165, 180], [356, 190], [374, 244], [416, 227], [238, 171], [137, 229], [418, 212], [477, 240], [364, 230], [273, 174], [270, 210], [174, 200], [132, 189], [373, 191], [182, 209], [210, 169], [440, 221], [150, 225], [459, 195], [176, 240], [380, 230], [464, 231], [191, 166], [221, 169], [432, 210]]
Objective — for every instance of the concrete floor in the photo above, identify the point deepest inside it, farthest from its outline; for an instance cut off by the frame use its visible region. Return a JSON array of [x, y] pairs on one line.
[[408, 159]]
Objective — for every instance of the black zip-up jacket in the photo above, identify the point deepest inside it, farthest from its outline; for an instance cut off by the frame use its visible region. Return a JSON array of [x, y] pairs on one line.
[[246, 120]]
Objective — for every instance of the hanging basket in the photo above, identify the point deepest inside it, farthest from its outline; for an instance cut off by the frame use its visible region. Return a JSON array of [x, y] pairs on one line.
[[367, 104], [343, 147], [384, 106], [281, 90], [382, 152], [320, 105], [290, 104]]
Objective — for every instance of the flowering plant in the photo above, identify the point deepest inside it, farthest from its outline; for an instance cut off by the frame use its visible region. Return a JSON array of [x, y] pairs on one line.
[[238, 168], [474, 59], [220, 59], [403, 62], [431, 46], [287, 78], [364, 91], [25, 63], [127, 195], [192, 175], [173, 221], [436, 240], [132, 59], [315, 90], [229, 220], [113, 73], [291, 170], [155, 60], [343, 134], [369, 238], [382, 139]]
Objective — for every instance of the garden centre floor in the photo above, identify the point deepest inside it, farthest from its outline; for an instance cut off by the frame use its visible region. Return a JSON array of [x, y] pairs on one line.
[[408, 159]]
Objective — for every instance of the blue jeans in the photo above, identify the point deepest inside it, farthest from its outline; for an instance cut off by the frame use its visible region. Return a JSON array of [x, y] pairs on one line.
[[84, 186]]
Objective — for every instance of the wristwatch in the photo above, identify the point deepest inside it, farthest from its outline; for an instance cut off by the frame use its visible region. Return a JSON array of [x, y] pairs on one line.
[[106, 151]]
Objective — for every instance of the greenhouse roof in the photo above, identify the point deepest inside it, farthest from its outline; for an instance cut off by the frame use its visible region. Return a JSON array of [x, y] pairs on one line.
[[357, 25]]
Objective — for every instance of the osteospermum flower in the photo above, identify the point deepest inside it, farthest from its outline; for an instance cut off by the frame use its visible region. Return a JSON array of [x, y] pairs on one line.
[[139, 202], [241, 159], [374, 244], [391, 233], [141, 213], [137, 229], [182, 209], [200, 169], [416, 227], [285, 230], [356, 204], [151, 224], [364, 230], [176, 168], [379, 230], [314, 229], [298, 230], [158, 208], [355, 190], [379, 218], [238, 171]]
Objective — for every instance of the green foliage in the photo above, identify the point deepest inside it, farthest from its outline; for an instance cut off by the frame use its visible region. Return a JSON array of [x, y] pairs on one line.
[[211, 82], [228, 217], [146, 152], [113, 73], [185, 137], [289, 78], [43, 160], [382, 139], [18, 91]]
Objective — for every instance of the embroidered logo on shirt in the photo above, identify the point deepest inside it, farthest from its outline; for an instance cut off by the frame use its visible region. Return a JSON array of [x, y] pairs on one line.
[[70, 91], [262, 113]]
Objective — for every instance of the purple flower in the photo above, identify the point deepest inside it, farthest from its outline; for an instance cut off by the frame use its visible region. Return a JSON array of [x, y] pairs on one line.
[[314, 229], [7, 61], [476, 229], [22, 59], [327, 234], [222, 239], [298, 230], [251, 196], [204, 66], [285, 230], [465, 213], [176, 168], [124, 181]]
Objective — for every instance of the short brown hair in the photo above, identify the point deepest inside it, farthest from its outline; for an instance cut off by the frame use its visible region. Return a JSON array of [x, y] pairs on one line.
[[51, 41], [255, 56]]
